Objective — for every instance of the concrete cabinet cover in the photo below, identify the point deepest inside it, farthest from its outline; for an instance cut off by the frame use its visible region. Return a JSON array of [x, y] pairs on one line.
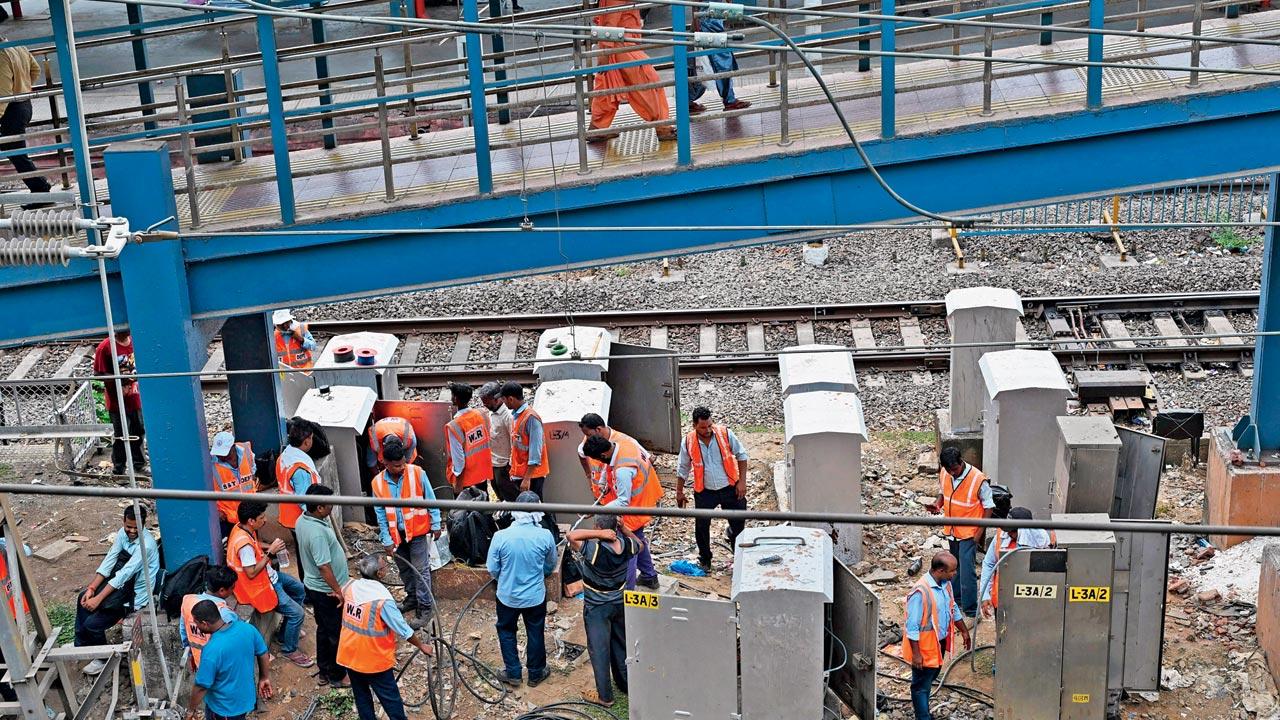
[[977, 315]]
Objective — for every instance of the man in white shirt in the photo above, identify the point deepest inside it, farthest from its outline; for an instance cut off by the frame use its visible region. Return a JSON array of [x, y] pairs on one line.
[[499, 440]]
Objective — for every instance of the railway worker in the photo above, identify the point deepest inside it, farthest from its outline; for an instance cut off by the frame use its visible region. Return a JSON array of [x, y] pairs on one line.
[[388, 427], [1005, 541], [604, 555], [500, 425], [220, 583], [932, 615], [965, 494], [224, 681], [294, 344], [234, 466], [651, 103], [529, 464], [132, 410], [592, 425], [321, 556], [632, 482], [260, 585], [467, 435], [295, 474], [367, 648], [521, 556], [119, 586], [716, 460], [407, 532]]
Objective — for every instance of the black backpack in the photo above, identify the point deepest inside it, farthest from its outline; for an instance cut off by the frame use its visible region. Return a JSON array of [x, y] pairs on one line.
[[471, 531], [186, 580]]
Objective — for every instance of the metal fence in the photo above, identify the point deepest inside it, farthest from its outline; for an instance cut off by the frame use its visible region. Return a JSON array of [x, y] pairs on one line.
[[55, 421]]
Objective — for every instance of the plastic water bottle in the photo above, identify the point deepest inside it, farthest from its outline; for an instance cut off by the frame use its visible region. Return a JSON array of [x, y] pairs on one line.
[[282, 557]]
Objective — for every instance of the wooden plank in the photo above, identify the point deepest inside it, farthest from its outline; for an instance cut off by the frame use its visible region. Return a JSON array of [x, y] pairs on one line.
[[707, 340], [863, 338], [1218, 324], [461, 348], [28, 361], [804, 333], [658, 337], [755, 338], [69, 365], [214, 363], [1113, 327], [409, 351], [1167, 327], [911, 334], [507, 353]]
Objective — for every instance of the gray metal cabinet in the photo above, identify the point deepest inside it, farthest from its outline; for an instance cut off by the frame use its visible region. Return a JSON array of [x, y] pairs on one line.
[[682, 659], [1088, 456], [646, 396]]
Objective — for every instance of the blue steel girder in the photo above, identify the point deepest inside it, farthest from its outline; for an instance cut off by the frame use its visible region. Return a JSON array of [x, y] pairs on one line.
[[1011, 162]]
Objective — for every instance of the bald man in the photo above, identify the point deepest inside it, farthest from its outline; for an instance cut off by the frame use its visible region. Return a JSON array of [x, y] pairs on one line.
[[932, 613]]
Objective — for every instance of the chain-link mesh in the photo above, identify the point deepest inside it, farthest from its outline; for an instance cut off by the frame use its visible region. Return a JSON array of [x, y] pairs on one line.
[[49, 421]]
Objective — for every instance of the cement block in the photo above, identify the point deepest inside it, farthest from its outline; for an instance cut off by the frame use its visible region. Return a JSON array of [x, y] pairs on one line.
[[1268, 617], [941, 238], [56, 550], [1246, 495], [673, 276], [970, 268], [1114, 261], [970, 443]]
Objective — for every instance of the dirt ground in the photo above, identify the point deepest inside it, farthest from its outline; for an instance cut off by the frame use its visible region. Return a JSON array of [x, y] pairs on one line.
[[1209, 644]]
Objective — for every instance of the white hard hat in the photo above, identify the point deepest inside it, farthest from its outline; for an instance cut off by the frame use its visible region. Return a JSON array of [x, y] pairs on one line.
[[222, 444], [281, 317]]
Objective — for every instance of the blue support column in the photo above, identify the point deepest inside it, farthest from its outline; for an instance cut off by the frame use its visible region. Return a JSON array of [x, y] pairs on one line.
[[322, 75], [145, 95], [165, 340], [479, 113], [275, 113], [1093, 74], [256, 402], [1265, 407], [888, 72], [69, 76], [680, 67]]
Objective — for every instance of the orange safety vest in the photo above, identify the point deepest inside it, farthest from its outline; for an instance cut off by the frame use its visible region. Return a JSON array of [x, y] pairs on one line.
[[398, 426], [646, 490], [520, 442], [239, 479], [196, 638], [931, 650], [962, 501], [366, 644], [290, 512], [7, 579], [417, 521], [694, 448], [601, 488], [290, 352], [471, 430], [995, 579], [256, 590]]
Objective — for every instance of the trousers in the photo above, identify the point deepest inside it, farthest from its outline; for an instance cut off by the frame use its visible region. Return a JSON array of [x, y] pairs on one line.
[[535, 621], [642, 564], [727, 498], [365, 685], [607, 644], [921, 686]]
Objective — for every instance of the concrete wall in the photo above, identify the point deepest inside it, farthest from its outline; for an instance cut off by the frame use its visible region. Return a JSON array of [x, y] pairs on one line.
[[1245, 495], [1269, 609]]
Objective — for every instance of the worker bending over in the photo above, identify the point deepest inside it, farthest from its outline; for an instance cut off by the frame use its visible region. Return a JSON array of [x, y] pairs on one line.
[[592, 425], [389, 427], [632, 482], [1006, 541], [367, 648], [932, 615], [407, 532], [716, 460], [220, 582], [467, 435], [234, 466], [965, 494], [604, 554]]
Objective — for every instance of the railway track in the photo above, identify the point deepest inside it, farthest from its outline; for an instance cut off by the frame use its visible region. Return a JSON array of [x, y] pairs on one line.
[[885, 336]]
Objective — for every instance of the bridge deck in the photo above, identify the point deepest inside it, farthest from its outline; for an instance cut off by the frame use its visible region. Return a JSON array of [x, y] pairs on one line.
[[932, 96]]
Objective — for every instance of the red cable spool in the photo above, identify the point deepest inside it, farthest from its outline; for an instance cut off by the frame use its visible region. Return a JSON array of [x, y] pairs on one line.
[[344, 354], [366, 356]]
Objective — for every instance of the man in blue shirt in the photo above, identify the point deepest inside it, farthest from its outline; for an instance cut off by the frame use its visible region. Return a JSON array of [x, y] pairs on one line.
[[220, 583], [925, 638], [224, 682], [119, 586], [520, 558], [410, 542]]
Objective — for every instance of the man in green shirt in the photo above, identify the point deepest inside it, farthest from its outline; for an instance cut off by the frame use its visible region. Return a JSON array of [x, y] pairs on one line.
[[324, 568]]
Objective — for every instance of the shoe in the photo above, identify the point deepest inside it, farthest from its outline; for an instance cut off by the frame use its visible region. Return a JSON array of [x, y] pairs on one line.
[[665, 133], [649, 582], [705, 565], [591, 697], [96, 667], [299, 658], [507, 680], [737, 105], [536, 680], [341, 684], [696, 108], [407, 606]]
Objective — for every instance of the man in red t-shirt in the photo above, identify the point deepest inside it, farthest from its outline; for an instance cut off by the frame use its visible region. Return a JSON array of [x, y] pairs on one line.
[[132, 400]]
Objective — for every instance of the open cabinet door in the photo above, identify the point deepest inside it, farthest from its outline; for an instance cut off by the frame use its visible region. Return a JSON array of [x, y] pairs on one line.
[[646, 395], [1138, 476]]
